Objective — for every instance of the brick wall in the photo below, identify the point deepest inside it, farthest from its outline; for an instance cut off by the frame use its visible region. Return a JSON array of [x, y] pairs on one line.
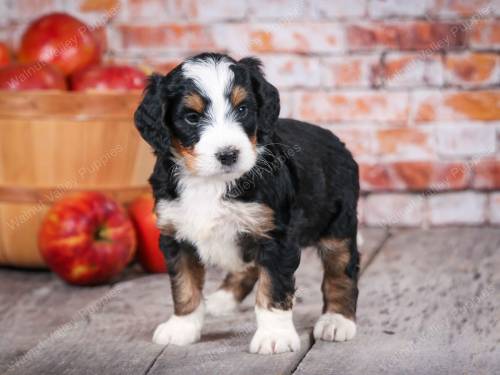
[[413, 87]]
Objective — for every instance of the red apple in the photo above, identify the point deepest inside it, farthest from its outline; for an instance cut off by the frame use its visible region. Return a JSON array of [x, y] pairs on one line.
[[4, 55], [62, 40], [87, 238], [148, 236], [106, 78], [34, 76]]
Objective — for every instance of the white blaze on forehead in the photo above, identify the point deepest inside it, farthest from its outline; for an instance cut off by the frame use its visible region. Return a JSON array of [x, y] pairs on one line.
[[213, 78]]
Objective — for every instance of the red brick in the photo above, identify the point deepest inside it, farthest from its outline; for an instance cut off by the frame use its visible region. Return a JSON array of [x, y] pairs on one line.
[[404, 143], [415, 35], [350, 71], [472, 69], [415, 176], [377, 177], [428, 106], [485, 34], [494, 208], [394, 210], [320, 106], [99, 5], [432, 175], [339, 9], [470, 140], [287, 71], [96, 14], [487, 174], [457, 208], [412, 69], [166, 37], [450, 176], [316, 37], [480, 105]]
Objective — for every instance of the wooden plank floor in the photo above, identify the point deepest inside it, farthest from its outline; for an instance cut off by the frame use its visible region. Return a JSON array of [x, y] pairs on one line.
[[429, 303]]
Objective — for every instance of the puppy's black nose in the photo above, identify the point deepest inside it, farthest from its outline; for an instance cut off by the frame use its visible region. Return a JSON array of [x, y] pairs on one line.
[[227, 156]]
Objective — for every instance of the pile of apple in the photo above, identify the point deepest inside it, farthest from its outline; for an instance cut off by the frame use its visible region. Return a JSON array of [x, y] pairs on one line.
[[59, 52], [89, 238]]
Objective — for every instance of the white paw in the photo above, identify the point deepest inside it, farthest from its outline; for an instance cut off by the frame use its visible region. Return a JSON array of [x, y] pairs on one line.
[[221, 303], [334, 327], [180, 330], [266, 341], [275, 333]]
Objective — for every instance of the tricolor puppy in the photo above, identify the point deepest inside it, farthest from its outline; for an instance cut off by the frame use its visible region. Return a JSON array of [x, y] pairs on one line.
[[238, 188]]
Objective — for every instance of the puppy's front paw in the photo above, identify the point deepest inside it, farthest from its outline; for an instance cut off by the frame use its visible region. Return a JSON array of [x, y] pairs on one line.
[[266, 341], [334, 327], [275, 333], [176, 331], [180, 330], [221, 303]]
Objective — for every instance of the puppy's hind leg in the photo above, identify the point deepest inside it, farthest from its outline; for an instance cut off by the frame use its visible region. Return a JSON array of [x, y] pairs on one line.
[[340, 260], [233, 290]]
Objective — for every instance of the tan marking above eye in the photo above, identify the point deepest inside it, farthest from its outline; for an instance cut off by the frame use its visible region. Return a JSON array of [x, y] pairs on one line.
[[195, 102], [238, 95]]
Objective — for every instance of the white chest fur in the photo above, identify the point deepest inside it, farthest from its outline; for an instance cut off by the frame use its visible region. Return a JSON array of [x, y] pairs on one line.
[[201, 216]]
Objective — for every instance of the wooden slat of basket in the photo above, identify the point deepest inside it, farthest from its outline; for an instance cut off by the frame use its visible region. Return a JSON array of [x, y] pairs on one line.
[[19, 225], [49, 195], [58, 152], [75, 105]]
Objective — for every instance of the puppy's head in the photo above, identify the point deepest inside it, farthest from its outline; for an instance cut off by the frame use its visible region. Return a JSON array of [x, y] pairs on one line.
[[210, 113]]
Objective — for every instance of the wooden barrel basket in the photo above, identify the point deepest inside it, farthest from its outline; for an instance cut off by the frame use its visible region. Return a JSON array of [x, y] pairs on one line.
[[56, 143]]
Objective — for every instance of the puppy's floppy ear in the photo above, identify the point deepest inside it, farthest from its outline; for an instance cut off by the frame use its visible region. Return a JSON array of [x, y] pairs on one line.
[[150, 115], [268, 99]]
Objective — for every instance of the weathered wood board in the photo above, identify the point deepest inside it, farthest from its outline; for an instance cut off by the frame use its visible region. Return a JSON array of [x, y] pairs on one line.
[[429, 304], [34, 306], [111, 331], [111, 335]]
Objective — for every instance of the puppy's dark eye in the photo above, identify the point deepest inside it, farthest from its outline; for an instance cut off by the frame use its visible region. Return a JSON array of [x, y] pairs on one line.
[[192, 118], [242, 110]]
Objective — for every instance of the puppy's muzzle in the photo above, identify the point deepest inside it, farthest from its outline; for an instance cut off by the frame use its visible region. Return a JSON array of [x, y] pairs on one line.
[[228, 156]]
